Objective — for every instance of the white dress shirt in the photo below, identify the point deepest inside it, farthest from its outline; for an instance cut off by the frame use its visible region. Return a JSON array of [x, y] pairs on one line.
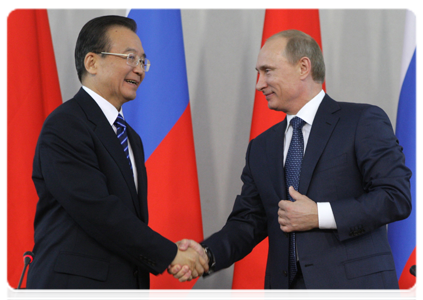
[[111, 114], [307, 113]]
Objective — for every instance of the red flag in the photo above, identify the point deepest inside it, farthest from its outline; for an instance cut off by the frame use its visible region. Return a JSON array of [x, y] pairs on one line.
[[249, 272], [33, 91]]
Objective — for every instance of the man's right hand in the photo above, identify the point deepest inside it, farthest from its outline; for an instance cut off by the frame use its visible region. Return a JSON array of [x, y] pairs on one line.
[[197, 261]]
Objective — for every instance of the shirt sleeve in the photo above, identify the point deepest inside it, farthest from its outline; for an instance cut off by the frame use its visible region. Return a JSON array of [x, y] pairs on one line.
[[325, 215]]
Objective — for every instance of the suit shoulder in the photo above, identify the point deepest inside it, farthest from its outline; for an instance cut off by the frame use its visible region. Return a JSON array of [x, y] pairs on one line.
[[362, 113], [68, 117], [358, 107], [275, 129], [69, 108]]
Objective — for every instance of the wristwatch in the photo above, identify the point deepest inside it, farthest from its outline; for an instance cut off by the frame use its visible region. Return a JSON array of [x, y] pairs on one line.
[[212, 261]]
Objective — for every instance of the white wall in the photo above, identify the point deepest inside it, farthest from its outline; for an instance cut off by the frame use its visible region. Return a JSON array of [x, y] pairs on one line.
[[362, 50]]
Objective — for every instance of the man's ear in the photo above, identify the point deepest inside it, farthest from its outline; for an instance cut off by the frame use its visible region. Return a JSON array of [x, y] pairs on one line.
[[91, 63], [305, 67]]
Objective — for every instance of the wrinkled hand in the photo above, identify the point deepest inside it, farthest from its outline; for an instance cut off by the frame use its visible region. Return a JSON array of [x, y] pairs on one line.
[[300, 215], [183, 272]]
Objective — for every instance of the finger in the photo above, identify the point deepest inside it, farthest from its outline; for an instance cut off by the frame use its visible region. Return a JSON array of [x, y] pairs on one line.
[[198, 248], [286, 228], [174, 269], [281, 221], [183, 244], [199, 269], [186, 277], [182, 272], [204, 258], [283, 204], [294, 194], [202, 253], [204, 263], [195, 273], [284, 224]]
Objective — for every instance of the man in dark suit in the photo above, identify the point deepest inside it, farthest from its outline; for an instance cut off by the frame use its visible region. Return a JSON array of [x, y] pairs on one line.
[[91, 223], [329, 229]]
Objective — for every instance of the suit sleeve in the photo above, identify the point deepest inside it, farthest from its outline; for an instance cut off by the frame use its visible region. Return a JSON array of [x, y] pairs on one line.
[[73, 177], [246, 226], [386, 194]]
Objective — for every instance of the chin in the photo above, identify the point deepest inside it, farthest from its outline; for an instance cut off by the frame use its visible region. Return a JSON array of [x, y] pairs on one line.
[[130, 97], [272, 106]]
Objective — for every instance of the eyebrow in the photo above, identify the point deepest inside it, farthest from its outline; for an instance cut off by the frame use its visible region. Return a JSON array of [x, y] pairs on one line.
[[264, 67], [135, 50]]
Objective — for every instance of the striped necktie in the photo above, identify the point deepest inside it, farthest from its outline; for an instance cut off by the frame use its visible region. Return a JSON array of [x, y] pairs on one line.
[[122, 135]]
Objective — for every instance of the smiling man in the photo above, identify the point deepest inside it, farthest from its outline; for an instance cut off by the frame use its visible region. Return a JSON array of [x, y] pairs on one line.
[[322, 184], [91, 222]]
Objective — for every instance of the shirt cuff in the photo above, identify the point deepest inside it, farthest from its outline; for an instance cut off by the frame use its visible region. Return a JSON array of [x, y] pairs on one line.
[[325, 215]]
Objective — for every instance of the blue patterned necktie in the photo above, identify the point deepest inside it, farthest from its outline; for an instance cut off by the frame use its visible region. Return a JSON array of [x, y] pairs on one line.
[[122, 135], [293, 162]]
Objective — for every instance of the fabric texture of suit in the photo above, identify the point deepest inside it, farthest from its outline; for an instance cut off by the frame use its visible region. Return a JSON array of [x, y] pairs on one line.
[[352, 160], [91, 224]]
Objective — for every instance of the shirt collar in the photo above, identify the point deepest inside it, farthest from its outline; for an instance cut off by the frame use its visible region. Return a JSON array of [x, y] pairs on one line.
[[106, 107], [308, 111]]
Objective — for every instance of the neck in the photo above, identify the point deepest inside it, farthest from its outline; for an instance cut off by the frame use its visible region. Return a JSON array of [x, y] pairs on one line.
[[98, 91], [305, 97]]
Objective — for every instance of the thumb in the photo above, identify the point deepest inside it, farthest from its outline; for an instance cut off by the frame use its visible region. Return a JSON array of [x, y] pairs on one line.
[[294, 194], [183, 244]]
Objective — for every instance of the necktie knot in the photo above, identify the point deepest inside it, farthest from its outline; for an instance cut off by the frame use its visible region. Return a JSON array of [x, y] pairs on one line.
[[120, 122], [297, 123]]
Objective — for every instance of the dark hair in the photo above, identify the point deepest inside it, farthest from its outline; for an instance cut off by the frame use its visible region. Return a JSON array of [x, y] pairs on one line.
[[93, 38], [301, 45]]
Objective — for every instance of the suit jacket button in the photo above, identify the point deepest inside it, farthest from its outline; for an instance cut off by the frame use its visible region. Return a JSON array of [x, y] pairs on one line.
[[285, 273]]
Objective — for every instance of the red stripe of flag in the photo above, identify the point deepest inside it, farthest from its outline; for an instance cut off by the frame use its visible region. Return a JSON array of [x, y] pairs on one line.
[[249, 272], [33, 91], [173, 193], [407, 280]]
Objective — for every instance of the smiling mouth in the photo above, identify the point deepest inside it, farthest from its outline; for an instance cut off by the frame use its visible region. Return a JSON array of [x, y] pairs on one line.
[[132, 82]]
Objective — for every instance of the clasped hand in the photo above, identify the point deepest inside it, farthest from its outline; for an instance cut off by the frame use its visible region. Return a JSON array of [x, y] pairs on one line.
[[190, 262]]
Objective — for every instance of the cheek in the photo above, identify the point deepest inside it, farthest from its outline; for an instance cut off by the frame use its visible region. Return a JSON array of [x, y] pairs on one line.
[[142, 77]]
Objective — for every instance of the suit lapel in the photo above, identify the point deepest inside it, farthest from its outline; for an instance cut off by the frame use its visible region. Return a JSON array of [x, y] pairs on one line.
[[321, 130], [274, 149], [106, 135], [138, 150]]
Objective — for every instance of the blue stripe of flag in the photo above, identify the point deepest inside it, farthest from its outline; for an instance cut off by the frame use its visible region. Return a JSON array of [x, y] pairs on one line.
[[163, 95], [402, 234]]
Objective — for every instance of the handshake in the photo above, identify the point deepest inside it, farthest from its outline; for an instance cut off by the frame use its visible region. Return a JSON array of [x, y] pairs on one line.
[[190, 262]]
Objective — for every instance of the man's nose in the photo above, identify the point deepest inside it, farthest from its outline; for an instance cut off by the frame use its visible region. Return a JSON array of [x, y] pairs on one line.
[[261, 83], [139, 70]]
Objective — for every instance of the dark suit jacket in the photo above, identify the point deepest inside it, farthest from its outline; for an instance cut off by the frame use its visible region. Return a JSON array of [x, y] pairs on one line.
[[91, 225], [353, 161]]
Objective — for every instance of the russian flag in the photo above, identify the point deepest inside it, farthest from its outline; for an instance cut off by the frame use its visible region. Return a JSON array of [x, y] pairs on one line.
[[402, 234], [162, 117]]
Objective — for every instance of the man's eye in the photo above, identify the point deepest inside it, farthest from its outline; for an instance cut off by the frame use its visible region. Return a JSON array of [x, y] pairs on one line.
[[131, 57]]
